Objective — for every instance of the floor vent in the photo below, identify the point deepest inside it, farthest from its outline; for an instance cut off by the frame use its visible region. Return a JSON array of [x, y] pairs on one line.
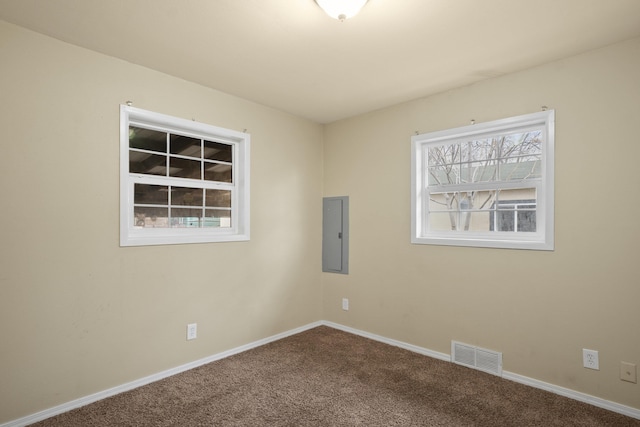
[[476, 358]]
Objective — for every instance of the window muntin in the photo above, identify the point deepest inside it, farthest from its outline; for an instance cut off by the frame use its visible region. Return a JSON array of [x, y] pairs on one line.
[[487, 185], [181, 181], [163, 153], [158, 206]]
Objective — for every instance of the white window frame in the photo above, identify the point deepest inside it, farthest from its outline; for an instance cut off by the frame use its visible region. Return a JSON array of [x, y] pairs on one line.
[[240, 207], [541, 239]]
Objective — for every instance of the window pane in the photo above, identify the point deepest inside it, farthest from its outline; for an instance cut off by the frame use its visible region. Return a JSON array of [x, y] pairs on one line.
[[521, 168], [183, 196], [443, 201], [521, 144], [218, 198], [151, 217], [443, 221], [185, 146], [444, 211], [442, 175], [441, 155], [443, 164], [479, 171], [218, 172], [149, 164], [475, 221], [146, 139], [186, 218], [217, 151], [479, 150], [184, 168], [217, 218], [145, 194]]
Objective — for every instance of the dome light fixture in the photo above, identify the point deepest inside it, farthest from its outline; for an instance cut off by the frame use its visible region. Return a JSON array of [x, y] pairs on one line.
[[341, 9]]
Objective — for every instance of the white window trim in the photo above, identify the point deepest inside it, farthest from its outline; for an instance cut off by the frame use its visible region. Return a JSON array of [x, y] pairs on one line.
[[543, 239], [133, 236]]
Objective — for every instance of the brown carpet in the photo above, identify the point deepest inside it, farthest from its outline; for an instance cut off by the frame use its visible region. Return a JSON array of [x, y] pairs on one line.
[[326, 377]]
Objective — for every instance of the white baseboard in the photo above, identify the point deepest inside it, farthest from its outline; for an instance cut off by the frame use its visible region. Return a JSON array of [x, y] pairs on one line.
[[572, 394], [395, 343], [575, 395], [65, 407]]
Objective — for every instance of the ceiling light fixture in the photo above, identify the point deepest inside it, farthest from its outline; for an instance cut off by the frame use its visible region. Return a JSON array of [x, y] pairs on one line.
[[341, 9]]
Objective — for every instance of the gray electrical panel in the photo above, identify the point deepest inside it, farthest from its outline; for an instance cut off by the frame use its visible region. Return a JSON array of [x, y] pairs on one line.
[[335, 234]]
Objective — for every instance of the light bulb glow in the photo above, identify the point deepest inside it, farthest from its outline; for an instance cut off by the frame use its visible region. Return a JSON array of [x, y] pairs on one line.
[[341, 9]]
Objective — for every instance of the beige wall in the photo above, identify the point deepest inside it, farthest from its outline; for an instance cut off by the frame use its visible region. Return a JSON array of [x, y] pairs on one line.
[[539, 308], [79, 314]]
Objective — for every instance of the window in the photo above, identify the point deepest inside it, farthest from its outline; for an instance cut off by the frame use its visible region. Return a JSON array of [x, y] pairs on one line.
[[486, 185], [181, 181], [513, 215]]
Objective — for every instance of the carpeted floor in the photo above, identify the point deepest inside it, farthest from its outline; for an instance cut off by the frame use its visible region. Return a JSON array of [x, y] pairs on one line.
[[326, 377]]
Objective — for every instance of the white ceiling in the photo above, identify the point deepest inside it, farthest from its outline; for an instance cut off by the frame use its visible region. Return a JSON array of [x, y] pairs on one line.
[[289, 55]]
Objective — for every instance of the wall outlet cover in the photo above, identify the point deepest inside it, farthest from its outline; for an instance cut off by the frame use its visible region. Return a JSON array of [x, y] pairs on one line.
[[192, 331], [628, 372], [590, 359]]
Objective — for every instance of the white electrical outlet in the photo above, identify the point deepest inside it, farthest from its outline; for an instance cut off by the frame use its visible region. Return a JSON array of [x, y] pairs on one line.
[[345, 304], [192, 331], [590, 359]]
